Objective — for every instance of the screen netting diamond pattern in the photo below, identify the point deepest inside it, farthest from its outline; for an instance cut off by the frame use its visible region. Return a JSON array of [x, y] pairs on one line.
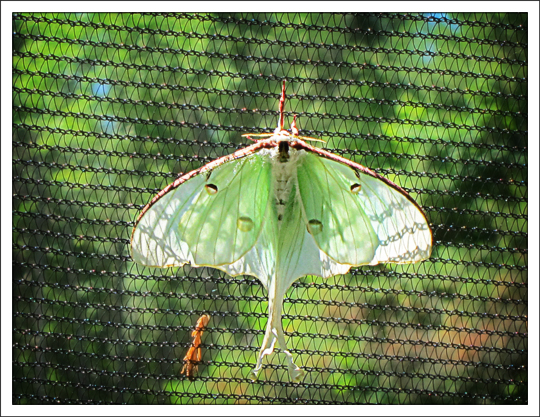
[[110, 108]]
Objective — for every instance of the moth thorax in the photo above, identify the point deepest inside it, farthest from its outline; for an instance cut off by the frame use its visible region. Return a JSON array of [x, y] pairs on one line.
[[284, 166], [283, 151]]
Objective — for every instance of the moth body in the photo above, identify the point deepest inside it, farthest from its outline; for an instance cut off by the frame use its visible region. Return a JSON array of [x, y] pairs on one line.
[[284, 161]]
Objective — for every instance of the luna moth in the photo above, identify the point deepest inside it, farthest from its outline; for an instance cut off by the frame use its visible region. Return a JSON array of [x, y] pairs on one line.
[[279, 210]]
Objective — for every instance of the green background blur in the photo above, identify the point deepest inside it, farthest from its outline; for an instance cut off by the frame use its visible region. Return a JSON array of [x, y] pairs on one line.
[[110, 108]]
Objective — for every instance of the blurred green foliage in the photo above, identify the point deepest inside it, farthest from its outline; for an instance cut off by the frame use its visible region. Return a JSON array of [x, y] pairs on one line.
[[109, 108]]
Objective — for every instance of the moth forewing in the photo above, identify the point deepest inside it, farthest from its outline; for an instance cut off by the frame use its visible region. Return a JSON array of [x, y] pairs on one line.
[[166, 231], [398, 228]]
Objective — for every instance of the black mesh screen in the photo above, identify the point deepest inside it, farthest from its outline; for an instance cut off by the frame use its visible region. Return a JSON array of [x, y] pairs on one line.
[[109, 108]]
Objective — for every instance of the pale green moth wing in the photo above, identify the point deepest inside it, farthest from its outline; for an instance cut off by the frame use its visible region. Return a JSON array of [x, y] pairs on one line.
[[403, 231], [356, 218], [260, 260], [224, 221], [211, 219], [298, 253]]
